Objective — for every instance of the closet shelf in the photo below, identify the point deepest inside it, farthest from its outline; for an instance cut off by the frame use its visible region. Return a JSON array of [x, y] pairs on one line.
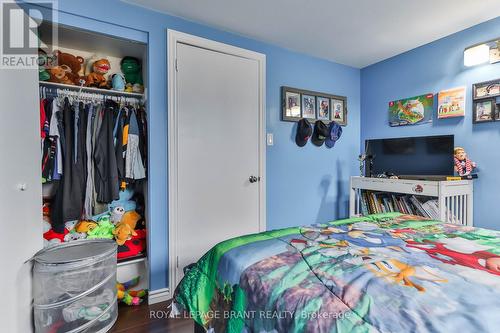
[[90, 89]]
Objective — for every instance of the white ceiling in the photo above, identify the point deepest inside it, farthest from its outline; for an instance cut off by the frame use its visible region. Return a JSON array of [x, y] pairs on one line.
[[351, 32]]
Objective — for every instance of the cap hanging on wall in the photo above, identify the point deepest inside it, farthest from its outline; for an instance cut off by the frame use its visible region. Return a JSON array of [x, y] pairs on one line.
[[304, 132], [320, 133], [335, 131]]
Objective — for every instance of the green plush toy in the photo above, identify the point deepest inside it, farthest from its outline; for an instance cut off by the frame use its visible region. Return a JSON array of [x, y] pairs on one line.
[[131, 69], [103, 230]]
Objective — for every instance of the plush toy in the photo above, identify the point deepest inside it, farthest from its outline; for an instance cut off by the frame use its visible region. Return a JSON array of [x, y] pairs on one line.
[[130, 218], [123, 232], [127, 296], [138, 88], [96, 78], [43, 64], [134, 246], [131, 68], [85, 226], [463, 165], [118, 82], [124, 201], [73, 236], [60, 74], [104, 229], [129, 87], [117, 214], [74, 63]]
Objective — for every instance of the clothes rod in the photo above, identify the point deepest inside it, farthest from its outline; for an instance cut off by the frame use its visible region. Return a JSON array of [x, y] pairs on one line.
[[53, 85]]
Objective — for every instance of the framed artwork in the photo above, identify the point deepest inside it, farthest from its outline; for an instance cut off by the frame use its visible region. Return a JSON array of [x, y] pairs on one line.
[[299, 103], [411, 111], [484, 111], [486, 89], [291, 104], [339, 111], [451, 103], [308, 106], [323, 108]]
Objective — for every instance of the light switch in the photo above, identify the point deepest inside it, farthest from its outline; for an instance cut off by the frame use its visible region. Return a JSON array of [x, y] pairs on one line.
[[270, 139]]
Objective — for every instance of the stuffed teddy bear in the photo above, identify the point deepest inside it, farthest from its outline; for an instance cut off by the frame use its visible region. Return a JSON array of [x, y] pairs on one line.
[[85, 226], [99, 69], [59, 74], [74, 63], [127, 296]]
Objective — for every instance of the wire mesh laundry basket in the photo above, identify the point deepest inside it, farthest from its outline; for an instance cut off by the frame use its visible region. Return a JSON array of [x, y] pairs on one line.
[[75, 287]]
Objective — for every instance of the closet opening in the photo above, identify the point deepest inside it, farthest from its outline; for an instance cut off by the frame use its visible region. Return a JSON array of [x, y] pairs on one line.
[[93, 141]]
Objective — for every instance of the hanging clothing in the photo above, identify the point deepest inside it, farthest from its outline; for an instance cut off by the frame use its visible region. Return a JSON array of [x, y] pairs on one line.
[[106, 177], [134, 168], [69, 197], [86, 154]]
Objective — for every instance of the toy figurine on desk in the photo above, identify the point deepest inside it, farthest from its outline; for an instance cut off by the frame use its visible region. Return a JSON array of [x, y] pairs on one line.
[[463, 165]]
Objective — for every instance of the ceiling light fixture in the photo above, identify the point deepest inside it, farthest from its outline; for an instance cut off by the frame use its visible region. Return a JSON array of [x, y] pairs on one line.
[[482, 53]]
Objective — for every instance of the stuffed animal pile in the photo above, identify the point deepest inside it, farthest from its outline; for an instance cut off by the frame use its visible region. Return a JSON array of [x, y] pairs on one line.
[[121, 222], [66, 68], [127, 296]]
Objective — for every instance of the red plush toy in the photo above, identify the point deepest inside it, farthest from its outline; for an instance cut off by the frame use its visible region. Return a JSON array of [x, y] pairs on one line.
[[134, 246]]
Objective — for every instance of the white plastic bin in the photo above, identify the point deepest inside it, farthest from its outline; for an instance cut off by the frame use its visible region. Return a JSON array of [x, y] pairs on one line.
[[75, 287]]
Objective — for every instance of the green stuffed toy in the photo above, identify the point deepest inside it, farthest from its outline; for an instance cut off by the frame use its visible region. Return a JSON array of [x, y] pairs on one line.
[[131, 69], [103, 230]]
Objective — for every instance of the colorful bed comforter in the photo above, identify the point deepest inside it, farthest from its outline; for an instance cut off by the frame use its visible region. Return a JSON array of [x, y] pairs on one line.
[[380, 273]]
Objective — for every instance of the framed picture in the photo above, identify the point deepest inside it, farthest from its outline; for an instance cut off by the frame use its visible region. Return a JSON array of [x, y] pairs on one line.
[[308, 106], [451, 103], [313, 105], [339, 111], [484, 111], [323, 108], [486, 89], [291, 104], [411, 111]]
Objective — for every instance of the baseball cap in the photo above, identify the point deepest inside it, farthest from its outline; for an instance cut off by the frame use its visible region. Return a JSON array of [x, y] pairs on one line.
[[304, 132], [320, 133], [335, 131]]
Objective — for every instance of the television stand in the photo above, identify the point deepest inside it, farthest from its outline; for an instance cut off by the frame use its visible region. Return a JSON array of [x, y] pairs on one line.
[[455, 197]]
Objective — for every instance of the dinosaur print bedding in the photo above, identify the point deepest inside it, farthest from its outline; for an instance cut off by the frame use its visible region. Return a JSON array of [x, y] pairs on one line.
[[379, 273]]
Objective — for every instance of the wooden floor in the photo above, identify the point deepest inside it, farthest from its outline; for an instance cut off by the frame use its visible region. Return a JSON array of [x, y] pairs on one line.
[[150, 319]]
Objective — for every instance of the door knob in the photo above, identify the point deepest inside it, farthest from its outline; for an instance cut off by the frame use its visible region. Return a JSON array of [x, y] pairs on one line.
[[253, 179]]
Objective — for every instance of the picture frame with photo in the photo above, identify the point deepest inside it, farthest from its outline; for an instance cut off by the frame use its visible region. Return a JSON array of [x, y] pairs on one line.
[[312, 105], [339, 110], [484, 111], [292, 110], [487, 89], [308, 106], [323, 108]]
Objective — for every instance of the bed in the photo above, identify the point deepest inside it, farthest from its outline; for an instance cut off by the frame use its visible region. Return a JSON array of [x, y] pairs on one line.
[[379, 273]]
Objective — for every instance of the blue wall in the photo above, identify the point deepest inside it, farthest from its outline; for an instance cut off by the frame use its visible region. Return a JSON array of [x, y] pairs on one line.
[[431, 68], [303, 185]]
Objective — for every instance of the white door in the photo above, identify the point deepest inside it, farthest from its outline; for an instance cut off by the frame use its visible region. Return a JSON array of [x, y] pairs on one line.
[[20, 191], [218, 150]]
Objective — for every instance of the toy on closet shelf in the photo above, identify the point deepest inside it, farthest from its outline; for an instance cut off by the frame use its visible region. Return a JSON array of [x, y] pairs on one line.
[[463, 165], [44, 63], [117, 82], [127, 296], [134, 246], [117, 214], [60, 74], [97, 78], [71, 62], [131, 68]]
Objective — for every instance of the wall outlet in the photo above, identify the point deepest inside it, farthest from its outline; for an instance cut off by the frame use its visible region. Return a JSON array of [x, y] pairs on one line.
[[270, 139]]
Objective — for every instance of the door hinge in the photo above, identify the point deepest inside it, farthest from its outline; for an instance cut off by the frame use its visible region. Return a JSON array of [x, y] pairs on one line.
[[176, 65], [177, 262]]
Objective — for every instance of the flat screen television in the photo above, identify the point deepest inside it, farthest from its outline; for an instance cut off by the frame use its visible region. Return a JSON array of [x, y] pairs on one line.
[[411, 156]]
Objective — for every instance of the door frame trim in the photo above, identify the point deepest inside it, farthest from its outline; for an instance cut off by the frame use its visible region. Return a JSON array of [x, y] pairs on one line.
[[174, 37]]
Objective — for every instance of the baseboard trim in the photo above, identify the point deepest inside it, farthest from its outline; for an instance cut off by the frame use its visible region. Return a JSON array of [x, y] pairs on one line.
[[159, 295]]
